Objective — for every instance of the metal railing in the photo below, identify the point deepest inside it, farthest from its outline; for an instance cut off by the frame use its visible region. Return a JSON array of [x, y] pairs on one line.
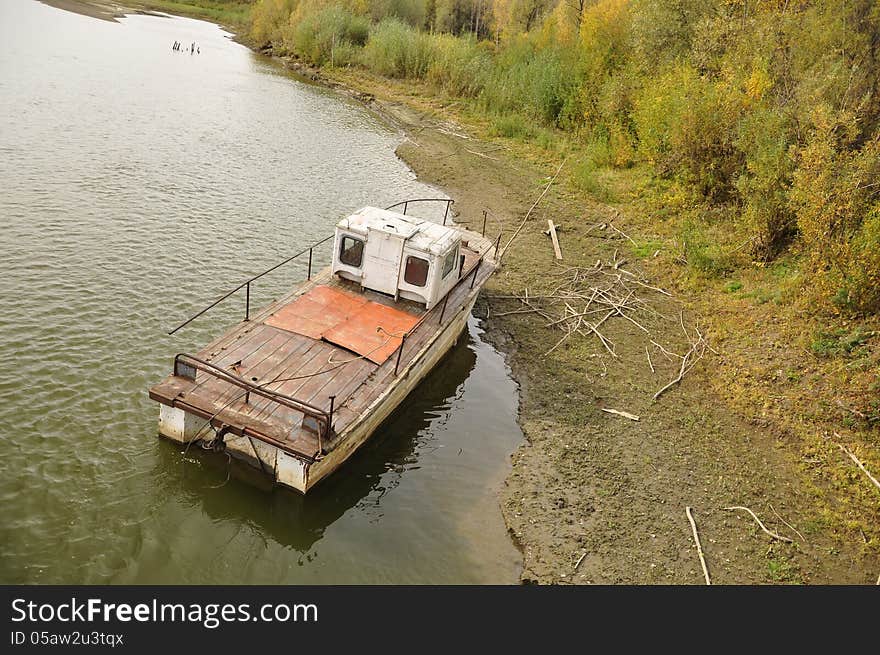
[[470, 274], [185, 366], [246, 285], [407, 203]]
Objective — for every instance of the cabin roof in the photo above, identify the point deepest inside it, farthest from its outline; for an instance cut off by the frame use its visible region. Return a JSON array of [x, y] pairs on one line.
[[420, 234]]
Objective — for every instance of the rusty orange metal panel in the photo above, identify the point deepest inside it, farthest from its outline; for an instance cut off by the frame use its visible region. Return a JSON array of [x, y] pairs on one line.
[[317, 311], [373, 331]]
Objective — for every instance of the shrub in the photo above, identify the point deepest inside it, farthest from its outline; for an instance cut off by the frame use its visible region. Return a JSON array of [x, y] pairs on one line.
[[686, 125], [764, 184], [460, 65], [395, 49], [268, 20], [836, 196], [329, 35], [540, 83]]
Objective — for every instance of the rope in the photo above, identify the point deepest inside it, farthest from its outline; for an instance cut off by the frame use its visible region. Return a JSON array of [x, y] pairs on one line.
[[208, 422]]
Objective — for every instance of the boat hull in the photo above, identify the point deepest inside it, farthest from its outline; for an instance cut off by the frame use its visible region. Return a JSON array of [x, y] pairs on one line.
[[301, 473]]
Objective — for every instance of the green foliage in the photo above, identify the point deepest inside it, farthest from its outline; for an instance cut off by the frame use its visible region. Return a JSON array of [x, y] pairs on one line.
[[733, 286], [397, 50], [512, 126], [686, 126], [460, 65], [536, 82], [703, 253], [411, 12], [840, 341], [330, 36], [269, 18], [765, 115], [763, 184], [836, 195], [648, 249], [593, 180], [662, 30]]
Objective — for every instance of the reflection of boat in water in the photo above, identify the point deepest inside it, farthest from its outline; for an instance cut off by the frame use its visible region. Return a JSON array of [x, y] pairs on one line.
[[296, 389], [290, 518]]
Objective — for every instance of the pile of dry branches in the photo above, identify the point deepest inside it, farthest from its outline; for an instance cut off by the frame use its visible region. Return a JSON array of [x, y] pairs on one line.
[[583, 302]]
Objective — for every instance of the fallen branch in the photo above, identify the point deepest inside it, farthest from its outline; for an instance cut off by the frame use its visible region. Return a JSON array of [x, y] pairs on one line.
[[755, 516], [480, 154], [531, 209], [858, 462], [697, 542], [611, 225], [790, 526], [631, 417], [691, 357], [518, 311], [681, 372], [648, 353], [580, 559]]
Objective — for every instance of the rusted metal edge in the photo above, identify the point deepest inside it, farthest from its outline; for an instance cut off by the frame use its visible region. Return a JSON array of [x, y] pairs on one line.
[[360, 418], [251, 387]]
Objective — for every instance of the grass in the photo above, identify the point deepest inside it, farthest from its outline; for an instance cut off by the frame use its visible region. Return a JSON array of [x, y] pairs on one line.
[[840, 342], [234, 13], [648, 248], [512, 126], [781, 570]]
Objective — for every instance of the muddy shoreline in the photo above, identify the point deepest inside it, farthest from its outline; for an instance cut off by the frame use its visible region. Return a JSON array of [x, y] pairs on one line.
[[593, 497]]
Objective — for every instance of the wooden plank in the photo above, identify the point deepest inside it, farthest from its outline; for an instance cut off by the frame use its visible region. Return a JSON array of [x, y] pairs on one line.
[[363, 375], [555, 239], [259, 363], [311, 361], [317, 367], [318, 391], [238, 352]]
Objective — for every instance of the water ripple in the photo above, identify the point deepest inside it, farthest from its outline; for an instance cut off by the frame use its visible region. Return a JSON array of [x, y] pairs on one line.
[[139, 184]]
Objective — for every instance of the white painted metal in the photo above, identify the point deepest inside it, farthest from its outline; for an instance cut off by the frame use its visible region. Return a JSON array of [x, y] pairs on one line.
[[382, 261], [291, 471], [389, 239], [179, 425]]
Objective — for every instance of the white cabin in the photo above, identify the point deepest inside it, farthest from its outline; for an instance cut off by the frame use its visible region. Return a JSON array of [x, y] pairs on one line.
[[402, 256]]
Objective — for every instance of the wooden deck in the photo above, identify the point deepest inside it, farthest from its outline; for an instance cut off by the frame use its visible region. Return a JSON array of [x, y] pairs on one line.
[[307, 369]]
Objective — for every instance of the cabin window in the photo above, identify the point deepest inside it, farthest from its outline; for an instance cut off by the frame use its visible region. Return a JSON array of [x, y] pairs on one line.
[[449, 262], [351, 253], [416, 272]]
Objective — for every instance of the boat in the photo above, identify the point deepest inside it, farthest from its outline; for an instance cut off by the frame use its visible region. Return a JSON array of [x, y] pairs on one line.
[[295, 388]]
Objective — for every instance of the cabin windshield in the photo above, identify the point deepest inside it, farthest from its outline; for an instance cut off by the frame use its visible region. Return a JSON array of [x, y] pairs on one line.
[[351, 252], [449, 262], [416, 272]]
